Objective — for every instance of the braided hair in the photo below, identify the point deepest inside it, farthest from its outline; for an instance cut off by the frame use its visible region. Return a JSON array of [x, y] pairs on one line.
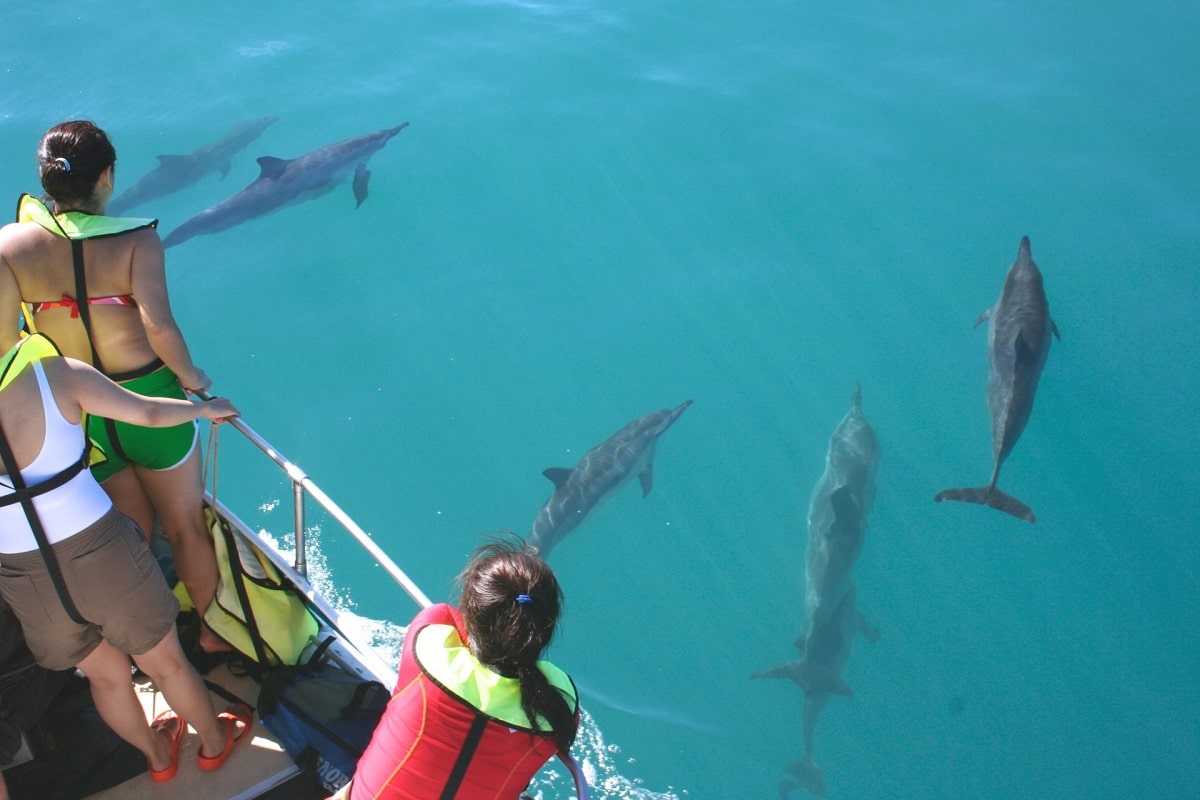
[[71, 158], [510, 602]]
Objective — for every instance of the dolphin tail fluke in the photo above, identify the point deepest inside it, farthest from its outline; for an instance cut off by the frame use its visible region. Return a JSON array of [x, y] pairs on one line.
[[808, 775], [990, 496], [787, 670], [817, 679], [812, 678]]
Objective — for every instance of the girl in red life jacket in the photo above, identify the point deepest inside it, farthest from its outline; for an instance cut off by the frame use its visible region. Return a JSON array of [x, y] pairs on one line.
[[475, 713]]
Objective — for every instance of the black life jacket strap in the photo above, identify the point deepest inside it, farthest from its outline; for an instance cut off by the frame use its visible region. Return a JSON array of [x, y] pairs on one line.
[[81, 299], [470, 745], [39, 533], [85, 315], [48, 485]]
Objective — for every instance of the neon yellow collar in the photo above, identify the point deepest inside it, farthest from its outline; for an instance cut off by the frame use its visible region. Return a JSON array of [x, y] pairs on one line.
[[30, 349], [77, 224], [451, 663]]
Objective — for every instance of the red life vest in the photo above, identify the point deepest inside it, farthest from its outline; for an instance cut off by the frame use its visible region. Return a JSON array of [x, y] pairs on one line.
[[453, 728]]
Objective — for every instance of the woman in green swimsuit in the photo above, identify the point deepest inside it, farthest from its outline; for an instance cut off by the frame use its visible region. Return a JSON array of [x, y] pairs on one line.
[[53, 259]]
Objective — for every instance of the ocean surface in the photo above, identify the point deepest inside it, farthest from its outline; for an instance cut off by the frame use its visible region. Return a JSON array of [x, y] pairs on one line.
[[600, 210]]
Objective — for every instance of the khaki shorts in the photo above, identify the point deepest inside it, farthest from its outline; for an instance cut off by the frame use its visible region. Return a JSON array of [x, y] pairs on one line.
[[115, 583]]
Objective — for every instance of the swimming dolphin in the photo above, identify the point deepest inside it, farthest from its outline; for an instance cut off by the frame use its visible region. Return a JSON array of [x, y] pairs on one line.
[[599, 475], [837, 526], [285, 181], [1018, 343], [837, 516], [818, 674], [177, 172]]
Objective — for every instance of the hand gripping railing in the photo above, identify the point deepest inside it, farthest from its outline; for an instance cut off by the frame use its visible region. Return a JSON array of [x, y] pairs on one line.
[[302, 486]]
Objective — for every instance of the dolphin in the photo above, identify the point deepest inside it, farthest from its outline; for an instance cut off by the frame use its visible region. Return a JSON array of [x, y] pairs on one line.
[[837, 515], [177, 172], [837, 526], [599, 475], [286, 181], [1018, 343]]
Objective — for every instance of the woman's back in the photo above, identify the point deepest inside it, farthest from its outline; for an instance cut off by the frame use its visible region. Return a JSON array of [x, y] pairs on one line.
[[43, 267]]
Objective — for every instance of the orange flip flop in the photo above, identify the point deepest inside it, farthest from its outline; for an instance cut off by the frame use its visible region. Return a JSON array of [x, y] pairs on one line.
[[233, 736], [169, 723]]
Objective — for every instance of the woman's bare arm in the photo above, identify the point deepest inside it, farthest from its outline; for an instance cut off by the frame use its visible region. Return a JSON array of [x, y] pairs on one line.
[[149, 281], [95, 394]]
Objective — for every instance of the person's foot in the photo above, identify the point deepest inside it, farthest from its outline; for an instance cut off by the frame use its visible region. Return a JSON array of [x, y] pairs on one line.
[[237, 722], [211, 643], [168, 730]]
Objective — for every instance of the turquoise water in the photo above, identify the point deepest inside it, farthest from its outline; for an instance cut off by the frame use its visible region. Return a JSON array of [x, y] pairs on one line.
[[600, 210]]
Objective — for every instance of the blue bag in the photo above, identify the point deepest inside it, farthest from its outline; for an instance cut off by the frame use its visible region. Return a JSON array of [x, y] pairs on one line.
[[323, 715]]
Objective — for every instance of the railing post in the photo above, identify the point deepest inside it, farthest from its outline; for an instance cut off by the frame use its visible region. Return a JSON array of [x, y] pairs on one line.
[[298, 499]]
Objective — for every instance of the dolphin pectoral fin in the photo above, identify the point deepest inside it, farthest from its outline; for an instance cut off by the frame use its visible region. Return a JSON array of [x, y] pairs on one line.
[[225, 169], [558, 475], [646, 478], [982, 318], [1054, 328], [990, 496], [361, 176], [272, 167]]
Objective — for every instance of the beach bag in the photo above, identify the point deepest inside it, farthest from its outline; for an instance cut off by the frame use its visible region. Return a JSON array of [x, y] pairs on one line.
[[256, 609], [323, 716]]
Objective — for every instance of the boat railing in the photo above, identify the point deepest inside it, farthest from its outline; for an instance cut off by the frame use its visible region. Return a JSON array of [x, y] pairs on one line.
[[304, 487]]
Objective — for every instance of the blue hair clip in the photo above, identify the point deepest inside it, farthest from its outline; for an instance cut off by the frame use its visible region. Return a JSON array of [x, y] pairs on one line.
[[524, 599]]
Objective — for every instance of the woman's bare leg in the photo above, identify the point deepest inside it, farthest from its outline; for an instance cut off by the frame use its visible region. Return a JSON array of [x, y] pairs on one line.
[[177, 496], [108, 674], [129, 496], [184, 690]]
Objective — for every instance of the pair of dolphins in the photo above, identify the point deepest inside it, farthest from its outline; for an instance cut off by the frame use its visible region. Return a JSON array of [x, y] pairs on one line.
[[1018, 344], [837, 526], [281, 182]]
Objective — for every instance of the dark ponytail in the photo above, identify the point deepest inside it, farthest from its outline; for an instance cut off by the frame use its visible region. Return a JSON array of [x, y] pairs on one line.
[[510, 601], [71, 158]]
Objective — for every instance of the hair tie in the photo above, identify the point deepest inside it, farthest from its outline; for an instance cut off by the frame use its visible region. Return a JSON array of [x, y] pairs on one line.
[[62, 162], [524, 599]]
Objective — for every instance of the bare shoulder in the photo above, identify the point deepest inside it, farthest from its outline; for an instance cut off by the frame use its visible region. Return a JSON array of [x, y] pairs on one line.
[[145, 237], [21, 234]]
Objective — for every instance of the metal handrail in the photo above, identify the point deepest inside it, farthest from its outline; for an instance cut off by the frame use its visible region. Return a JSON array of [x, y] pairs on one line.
[[303, 485]]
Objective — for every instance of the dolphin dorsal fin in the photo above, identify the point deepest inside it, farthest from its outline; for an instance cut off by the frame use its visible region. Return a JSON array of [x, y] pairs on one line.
[[272, 167], [558, 475]]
